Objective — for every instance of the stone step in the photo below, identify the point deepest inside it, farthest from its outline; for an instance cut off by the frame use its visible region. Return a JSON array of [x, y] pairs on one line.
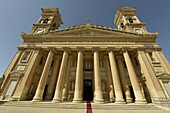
[[69, 105]]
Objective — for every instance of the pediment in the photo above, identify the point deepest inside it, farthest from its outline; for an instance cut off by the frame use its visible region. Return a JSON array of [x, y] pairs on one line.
[[164, 76], [91, 32], [15, 74]]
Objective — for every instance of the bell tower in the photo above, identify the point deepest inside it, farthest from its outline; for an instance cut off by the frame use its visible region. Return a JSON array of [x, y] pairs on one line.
[[50, 20], [126, 20]]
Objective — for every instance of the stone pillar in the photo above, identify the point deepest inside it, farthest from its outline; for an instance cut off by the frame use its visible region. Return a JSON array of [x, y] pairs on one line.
[[53, 79], [97, 80], [146, 69], [110, 82], [61, 77], [134, 80], [43, 80], [79, 78], [116, 80], [66, 83], [125, 85]]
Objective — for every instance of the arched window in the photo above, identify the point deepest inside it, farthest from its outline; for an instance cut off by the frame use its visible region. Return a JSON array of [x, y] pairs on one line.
[[130, 20], [45, 21]]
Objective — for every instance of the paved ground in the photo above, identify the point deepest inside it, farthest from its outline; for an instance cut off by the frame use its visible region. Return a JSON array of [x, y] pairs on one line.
[[12, 109]]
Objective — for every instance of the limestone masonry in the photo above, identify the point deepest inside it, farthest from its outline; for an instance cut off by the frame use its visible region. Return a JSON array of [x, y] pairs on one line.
[[88, 63]]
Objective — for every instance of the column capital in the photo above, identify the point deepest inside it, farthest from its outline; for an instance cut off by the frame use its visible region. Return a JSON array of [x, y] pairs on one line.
[[95, 49], [52, 49], [80, 49], [66, 49], [109, 49], [125, 49]]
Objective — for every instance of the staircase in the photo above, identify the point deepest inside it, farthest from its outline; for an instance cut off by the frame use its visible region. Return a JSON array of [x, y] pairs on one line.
[[70, 105]]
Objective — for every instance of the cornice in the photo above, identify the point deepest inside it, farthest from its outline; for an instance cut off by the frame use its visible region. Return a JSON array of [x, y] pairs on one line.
[[88, 38], [90, 27]]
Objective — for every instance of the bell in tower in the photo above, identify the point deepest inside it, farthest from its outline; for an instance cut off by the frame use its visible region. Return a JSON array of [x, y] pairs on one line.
[[126, 20], [50, 20]]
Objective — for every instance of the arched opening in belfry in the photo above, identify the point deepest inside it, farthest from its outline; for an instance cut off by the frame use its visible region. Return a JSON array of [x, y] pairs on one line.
[[130, 20], [46, 21]]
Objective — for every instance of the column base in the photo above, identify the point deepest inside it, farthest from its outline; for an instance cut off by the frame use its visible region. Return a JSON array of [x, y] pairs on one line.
[[120, 101], [64, 99], [77, 100], [129, 100], [56, 100], [99, 101], [112, 100], [15, 98], [37, 99], [142, 101]]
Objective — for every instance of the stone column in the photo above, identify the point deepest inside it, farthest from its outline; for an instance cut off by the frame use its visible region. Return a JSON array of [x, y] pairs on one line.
[[125, 85], [97, 80], [53, 79], [44, 77], [134, 80], [61, 77], [79, 78], [146, 69], [115, 77], [65, 86], [110, 82]]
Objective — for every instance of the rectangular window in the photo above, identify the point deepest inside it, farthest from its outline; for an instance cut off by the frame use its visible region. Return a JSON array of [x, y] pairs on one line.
[[88, 66], [26, 56], [21, 68]]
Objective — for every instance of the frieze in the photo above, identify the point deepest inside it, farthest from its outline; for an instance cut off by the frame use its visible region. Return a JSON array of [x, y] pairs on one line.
[[88, 33]]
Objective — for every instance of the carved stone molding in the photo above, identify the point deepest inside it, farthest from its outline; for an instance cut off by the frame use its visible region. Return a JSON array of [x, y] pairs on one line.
[[16, 74]]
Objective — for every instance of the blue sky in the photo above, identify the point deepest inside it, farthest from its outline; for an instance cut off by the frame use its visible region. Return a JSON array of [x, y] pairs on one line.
[[17, 16]]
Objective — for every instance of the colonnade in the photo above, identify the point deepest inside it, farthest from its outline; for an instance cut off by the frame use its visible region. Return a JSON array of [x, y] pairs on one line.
[[117, 72]]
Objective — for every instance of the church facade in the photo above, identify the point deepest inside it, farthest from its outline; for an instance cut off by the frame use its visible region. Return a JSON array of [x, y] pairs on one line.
[[88, 63]]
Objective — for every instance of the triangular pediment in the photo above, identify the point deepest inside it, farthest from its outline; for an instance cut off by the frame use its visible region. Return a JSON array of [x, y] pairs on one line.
[[90, 32]]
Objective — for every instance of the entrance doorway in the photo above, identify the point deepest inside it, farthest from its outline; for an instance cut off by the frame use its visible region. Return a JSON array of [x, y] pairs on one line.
[[87, 92]]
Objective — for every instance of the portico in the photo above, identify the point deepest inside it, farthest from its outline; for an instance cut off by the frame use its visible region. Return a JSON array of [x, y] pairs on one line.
[[88, 63]]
